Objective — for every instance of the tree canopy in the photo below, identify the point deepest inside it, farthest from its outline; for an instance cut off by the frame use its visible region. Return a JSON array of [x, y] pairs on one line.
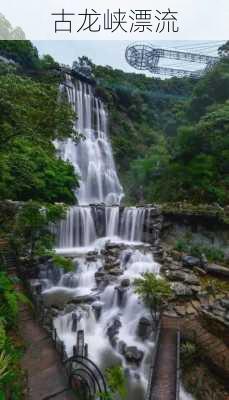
[[170, 136]]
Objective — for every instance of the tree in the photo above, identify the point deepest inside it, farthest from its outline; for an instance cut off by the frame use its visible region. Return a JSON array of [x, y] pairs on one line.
[[24, 104], [32, 234], [30, 165], [33, 172], [116, 383], [153, 291]]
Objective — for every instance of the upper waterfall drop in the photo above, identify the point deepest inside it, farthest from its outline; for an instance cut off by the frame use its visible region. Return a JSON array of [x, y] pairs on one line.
[[92, 157]]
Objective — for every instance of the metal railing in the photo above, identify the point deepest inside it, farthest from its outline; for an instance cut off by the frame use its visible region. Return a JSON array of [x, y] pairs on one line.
[[178, 366], [78, 366], [153, 363]]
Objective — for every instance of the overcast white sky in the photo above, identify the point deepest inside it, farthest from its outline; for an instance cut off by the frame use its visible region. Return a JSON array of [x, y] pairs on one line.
[[113, 52]]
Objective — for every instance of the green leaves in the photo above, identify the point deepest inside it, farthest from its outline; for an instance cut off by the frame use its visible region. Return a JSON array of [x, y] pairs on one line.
[[32, 233], [63, 262], [4, 364], [9, 301], [116, 383], [153, 291], [33, 115]]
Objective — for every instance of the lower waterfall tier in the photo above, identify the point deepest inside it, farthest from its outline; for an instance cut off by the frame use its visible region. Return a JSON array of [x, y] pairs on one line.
[[84, 224], [98, 298]]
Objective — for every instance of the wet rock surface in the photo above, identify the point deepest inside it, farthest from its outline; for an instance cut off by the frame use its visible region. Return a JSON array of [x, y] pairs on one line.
[[144, 328], [113, 330], [133, 355], [58, 297], [87, 298]]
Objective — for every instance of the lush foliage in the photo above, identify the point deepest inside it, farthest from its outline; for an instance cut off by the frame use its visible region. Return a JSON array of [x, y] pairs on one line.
[[170, 137], [197, 249], [33, 115], [31, 233], [10, 351], [141, 109], [63, 262], [30, 168], [116, 384], [154, 292]]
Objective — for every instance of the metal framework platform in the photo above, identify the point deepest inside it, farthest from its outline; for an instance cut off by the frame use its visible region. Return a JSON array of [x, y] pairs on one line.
[[146, 57]]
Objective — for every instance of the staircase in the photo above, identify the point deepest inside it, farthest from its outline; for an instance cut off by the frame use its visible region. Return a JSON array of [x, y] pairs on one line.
[[213, 347], [7, 258]]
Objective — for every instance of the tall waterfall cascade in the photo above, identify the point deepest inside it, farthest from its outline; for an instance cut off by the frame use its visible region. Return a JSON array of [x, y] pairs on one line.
[[92, 157], [106, 241], [99, 183]]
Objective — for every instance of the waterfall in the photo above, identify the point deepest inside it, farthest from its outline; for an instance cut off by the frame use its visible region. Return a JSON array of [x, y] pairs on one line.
[[78, 229], [93, 162], [112, 221], [105, 271], [92, 157], [132, 223]]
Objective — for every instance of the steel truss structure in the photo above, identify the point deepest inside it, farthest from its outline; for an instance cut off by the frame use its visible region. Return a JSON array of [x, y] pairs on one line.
[[146, 57]]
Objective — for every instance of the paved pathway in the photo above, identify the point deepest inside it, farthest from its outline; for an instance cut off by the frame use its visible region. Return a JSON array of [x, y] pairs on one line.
[[46, 375], [164, 378]]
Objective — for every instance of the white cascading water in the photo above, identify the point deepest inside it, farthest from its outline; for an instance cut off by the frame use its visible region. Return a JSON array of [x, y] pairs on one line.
[[93, 161], [112, 216], [92, 157], [132, 223], [128, 312], [78, 229]]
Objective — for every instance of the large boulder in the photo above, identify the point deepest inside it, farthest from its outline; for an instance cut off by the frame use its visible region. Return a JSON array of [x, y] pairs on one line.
[[191, 262], [86, 298], [225, 303], [125, 282], [183, 276], [218, 270], [121, 293], [133, 355], [97, 307], [181, 290], [111, 265], [115, 271], [58, 297], [70, 279], [191, 279], [113, 330], [92, 256]]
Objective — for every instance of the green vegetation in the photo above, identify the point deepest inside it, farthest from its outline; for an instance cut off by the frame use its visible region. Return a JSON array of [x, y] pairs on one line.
[[196, 249], [215, 286], [154, 292], [116, 384], [33, 115], [171, 143], [197, 377], [31, 235], [189, 353], [63, 262], [11, 376], [170, 137]]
